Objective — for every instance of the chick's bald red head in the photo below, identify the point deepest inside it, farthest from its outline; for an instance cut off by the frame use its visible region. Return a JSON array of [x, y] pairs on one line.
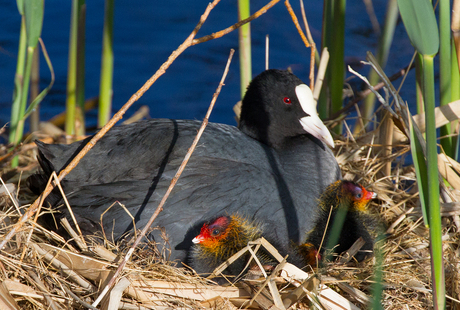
[[358, 194], [213, 231]]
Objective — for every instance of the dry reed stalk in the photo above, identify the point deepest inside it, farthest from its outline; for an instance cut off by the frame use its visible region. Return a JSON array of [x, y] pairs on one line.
[[307, 43]]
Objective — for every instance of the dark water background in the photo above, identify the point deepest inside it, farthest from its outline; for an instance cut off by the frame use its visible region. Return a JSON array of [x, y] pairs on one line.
[[147, 31]]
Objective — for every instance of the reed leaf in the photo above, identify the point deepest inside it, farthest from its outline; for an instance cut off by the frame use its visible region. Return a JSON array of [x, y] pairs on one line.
[[33, 12], [420, 23], [31, 27], [445, 71], [106, 82], [336, 62], [75, 89], [421, 26], [420, 169], [33, 105], [385, 42], [244, 39]]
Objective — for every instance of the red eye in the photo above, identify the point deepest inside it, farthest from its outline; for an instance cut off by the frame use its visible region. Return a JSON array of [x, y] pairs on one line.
[[287, 100]]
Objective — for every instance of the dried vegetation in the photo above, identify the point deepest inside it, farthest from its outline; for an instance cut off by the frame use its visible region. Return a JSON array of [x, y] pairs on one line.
[[41, 270]]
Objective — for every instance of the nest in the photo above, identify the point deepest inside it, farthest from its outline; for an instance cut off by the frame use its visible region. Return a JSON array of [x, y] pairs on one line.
[[42, 270]]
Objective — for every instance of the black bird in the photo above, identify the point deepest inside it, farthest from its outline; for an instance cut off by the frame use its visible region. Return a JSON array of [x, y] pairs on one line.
[[274, 167]]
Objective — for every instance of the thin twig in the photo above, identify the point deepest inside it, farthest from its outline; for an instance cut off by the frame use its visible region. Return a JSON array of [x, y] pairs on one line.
[[15, 202], [317, 256], [126, 211], [78, 299], [40, 204], [305, 41], [41, 286], [391, 229], [377, 95], [58, 183], [321, 73], [267, 280], [171, 186], [74, 276], [77, 238], [221, 33], [363, 94], [296, 23], [307, 28]]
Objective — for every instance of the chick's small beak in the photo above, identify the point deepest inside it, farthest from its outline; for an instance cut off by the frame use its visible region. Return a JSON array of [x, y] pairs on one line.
[[371, 195], [312, 123], [198, 239]]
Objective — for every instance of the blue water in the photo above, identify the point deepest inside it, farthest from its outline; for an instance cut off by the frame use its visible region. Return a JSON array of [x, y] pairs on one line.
[[145, 34]]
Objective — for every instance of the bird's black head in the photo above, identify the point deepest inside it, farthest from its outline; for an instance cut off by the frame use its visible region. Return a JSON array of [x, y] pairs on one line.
[[278, 106]]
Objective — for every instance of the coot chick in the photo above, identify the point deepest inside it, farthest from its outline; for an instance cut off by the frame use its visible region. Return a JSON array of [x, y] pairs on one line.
[[352, 198], [274, 166], [308, 254], [219, 240]]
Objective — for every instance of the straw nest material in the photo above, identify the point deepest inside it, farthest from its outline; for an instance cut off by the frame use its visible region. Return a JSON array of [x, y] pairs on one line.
[[41, 270]]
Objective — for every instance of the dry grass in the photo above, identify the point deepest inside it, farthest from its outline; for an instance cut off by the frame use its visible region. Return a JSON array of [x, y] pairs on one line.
[[70, 277]]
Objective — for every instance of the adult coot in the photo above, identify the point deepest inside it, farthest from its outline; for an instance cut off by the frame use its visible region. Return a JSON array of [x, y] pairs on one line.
[[273, 167]]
